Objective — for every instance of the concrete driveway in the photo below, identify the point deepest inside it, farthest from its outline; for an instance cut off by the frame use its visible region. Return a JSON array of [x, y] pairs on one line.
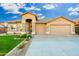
[[54, 46]]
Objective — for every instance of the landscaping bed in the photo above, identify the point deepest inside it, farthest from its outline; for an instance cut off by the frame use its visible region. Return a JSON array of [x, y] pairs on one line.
[[8, 42]]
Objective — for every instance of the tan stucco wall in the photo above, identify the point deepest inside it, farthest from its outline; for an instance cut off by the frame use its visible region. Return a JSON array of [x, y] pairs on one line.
[[40, 28]]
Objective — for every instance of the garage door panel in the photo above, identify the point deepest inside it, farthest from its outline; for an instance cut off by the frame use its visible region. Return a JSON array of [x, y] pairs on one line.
[[54, 29]]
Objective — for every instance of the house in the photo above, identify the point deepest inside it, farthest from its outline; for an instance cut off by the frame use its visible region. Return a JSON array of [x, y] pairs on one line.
[[3, 29], [30, 24], [77, 22]]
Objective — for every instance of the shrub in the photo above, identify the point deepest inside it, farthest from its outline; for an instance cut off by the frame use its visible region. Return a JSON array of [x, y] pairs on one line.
[[18, 36], [77, 30], [23, 36], [29, 36]]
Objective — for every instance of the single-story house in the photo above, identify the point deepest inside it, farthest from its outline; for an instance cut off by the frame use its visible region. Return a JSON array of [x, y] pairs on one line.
[[30, 24], [3, 29]]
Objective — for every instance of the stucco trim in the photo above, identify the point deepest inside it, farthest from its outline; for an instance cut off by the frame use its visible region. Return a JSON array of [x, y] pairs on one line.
[[29, 13]]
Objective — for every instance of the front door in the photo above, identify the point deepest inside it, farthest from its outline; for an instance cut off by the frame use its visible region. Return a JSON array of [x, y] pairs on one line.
[[29, 26]]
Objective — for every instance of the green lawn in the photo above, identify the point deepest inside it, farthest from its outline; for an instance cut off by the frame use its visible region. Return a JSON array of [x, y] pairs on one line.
[[8, 42]]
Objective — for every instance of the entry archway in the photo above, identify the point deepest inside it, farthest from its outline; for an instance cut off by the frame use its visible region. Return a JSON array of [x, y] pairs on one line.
[[29, 26], [28, 23]]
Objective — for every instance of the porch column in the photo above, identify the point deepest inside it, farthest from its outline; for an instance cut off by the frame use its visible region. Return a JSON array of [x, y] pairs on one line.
[[8, 29], [33, 27], [23, 28], [47, 30], [26, 28], [73, 29]]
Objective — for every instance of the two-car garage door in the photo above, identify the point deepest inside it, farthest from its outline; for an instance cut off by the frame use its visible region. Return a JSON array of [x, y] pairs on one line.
[[60, 29]]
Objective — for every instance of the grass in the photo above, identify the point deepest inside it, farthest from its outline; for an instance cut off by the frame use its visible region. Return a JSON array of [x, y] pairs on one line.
[[8, 42]]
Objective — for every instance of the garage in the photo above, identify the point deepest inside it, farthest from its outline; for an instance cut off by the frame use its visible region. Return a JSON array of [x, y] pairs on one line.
[[57, 26], [60, 29], [40, 29]]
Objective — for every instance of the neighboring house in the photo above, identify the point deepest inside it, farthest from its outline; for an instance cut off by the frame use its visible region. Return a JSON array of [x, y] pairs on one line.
[[30, 24], [77, 26], [3, 29], [77, 22]]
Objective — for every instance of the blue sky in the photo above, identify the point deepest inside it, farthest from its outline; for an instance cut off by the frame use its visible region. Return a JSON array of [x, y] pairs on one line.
[[13, 11]]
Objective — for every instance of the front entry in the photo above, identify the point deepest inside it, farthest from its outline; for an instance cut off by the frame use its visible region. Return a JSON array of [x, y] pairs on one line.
[[28, 23], [29, 26]]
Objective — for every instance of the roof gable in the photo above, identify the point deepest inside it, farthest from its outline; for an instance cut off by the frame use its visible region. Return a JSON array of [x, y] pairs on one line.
[[58, 19], [28, 13]]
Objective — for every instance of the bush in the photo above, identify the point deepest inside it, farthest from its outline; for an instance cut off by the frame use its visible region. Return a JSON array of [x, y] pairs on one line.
[[23, 36], [29, 36], [77, 30], [17, 36]]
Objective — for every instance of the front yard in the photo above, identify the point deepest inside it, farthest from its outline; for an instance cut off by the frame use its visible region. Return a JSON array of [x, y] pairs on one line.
[[8, 42]]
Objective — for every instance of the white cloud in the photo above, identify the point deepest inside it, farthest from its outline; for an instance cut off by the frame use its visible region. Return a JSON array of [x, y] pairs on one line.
[[73, 11], [40, 14], [49, 6], [32, 8], [69, 9], [14, 17], [41, 17], [12, 7]]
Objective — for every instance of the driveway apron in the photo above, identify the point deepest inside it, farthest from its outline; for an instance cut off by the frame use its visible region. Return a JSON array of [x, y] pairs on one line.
[[54, 46]]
